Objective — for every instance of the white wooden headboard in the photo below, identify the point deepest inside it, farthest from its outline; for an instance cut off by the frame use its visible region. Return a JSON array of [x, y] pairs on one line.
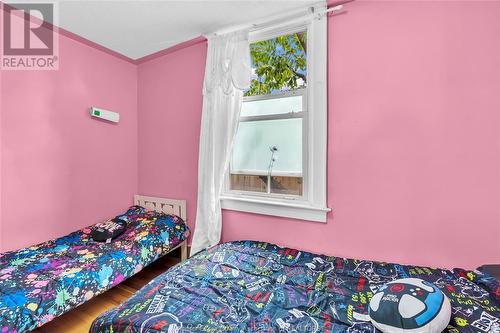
[[167, 206]]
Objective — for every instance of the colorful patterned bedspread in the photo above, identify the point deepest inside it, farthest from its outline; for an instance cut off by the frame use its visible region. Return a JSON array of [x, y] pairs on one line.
[[259, 287], [43, 281]]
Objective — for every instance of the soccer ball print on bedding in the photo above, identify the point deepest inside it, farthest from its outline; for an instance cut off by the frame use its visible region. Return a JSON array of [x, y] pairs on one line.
[[410, 305]]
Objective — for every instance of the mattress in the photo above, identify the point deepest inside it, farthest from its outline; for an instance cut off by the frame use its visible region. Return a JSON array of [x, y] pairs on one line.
[[260, 287], [41, 282]]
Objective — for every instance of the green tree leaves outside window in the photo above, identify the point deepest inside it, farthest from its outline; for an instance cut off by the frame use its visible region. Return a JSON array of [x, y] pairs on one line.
[[279, 64]]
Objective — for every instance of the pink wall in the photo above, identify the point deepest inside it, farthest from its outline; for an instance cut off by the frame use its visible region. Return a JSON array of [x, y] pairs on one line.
[[62, 170], [169, 104], [1, 150], [414, 142]]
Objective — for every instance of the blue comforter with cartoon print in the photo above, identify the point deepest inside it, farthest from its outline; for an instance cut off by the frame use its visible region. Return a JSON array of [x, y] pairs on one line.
[[41, 282], [247, 287]]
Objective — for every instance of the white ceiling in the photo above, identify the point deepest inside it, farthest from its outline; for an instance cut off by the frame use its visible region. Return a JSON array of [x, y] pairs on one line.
[[139, 28]]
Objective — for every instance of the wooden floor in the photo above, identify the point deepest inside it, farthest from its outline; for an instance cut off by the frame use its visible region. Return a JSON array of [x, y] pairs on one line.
[[79, 320]]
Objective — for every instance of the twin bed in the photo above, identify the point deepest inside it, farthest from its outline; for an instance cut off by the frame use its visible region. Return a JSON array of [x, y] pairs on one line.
[[243, 286], [41, 282]]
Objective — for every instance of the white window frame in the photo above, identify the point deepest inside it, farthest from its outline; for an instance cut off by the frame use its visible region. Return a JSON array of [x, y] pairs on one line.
[[311, 205]]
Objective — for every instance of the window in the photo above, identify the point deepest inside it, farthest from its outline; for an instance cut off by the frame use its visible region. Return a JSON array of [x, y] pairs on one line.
[[268, 150], [278, 163]]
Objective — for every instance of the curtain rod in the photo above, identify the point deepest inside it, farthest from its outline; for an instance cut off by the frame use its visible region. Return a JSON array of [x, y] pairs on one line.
[[276, 19]]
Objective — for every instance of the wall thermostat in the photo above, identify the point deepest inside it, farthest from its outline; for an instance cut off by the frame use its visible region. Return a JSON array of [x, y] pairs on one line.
[[105, 114]]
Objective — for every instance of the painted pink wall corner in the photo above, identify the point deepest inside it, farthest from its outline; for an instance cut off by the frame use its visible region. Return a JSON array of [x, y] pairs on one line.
[[1, 156], [414, 146], [169, 105], [61, 169]]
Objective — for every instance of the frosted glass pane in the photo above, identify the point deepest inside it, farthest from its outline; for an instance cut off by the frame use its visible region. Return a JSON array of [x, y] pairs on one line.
[[272, 106], [251, 150]]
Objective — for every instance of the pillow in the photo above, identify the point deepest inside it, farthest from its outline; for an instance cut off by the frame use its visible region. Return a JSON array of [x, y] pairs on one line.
[[410, 305], [132, 213], [108, 230], [493, 270]]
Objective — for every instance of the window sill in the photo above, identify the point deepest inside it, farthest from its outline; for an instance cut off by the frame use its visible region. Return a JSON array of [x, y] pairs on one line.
[[294, 210]]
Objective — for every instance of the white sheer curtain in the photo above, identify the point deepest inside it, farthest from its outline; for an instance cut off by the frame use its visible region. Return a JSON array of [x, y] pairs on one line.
[[227, 74]]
